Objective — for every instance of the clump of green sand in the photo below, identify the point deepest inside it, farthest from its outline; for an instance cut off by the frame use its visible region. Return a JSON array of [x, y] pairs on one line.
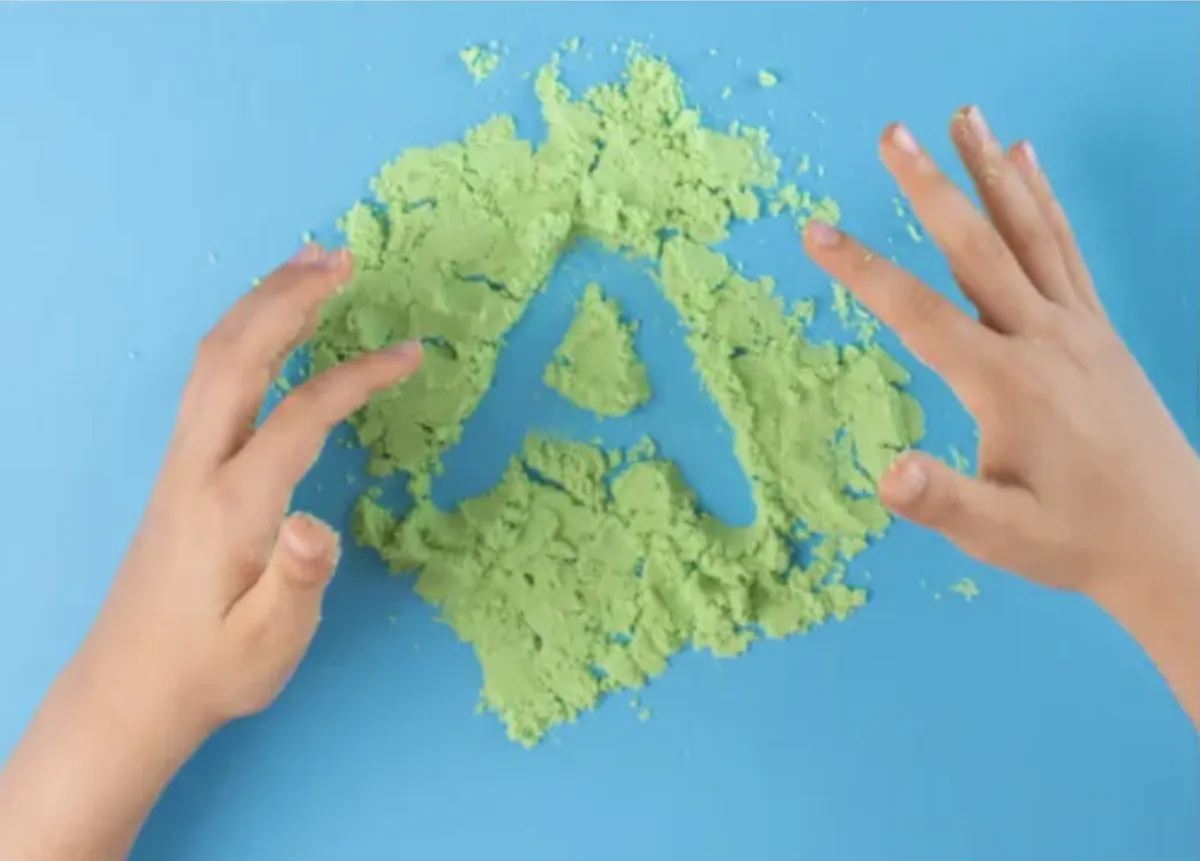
[[596, 366], [584, 570], [481, 61]]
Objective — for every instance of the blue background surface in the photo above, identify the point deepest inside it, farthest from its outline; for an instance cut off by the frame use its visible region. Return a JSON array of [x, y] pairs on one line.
[[137, 140]]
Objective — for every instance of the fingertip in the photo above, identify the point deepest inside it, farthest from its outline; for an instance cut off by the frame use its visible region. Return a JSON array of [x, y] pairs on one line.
[[904, 482], [315, 259], [311, 252], [313, 273], [339, 258], [307, 537], [960, 119], [407, 356], [1022, 154], [411, 349], [315, 546], [332, 270], [885, 137], [897, 138], [821, 235]]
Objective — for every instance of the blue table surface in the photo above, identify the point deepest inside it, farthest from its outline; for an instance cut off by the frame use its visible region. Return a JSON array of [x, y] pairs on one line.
[[154, 159]]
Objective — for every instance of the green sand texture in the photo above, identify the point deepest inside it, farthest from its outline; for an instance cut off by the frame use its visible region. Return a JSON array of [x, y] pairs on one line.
[[596, 366], [481, 60], [585, 569]]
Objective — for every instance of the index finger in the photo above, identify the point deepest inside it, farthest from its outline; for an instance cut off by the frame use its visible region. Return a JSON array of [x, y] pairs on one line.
[[937, 331]]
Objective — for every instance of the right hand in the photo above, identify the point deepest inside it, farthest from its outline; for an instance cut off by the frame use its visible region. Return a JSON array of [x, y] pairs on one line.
[[1085, 482], [1083, 476]]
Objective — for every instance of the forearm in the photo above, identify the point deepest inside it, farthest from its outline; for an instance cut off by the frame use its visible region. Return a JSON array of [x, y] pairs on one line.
[[1161, 610], [90, 767]]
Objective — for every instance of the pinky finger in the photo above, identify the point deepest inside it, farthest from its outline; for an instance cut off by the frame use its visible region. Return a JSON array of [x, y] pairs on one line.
[[1022, 156]]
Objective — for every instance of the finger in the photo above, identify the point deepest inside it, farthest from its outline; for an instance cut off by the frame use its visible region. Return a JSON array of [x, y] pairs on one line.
[[239, 358], [1011, 206], [290, 440], [275, 619], [1023, 158], [929, 324], [985, 520], [990, 275]]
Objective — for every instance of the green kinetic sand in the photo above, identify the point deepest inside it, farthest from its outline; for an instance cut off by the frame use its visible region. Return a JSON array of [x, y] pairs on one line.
[[967, 588], [481, 60], [584, 570], [596, 366]]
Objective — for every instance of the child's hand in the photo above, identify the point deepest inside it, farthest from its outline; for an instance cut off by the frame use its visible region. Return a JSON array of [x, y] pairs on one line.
[[220, 593], [1084, 480]]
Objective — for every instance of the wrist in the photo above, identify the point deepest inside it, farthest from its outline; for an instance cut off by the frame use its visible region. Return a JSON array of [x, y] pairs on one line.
[[147, 711], [93, 762], [1165, 562], [1144, 594], [1158, 605], [1156, 550]]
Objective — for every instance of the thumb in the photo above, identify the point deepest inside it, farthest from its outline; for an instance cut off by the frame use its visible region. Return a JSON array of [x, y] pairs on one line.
[[986, 520], [283, 609], [306, 554]]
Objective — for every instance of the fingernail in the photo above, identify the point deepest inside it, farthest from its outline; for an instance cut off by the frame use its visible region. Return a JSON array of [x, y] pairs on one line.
[[903, 139], [309, 253], [976, 124], [308, 538], [823, 234], [904, 482], [333, 259], [1028, 154], [407, 350]]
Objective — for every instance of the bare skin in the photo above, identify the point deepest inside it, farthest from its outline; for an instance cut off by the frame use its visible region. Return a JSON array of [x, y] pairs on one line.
[[1085, 483], [220, 593]]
